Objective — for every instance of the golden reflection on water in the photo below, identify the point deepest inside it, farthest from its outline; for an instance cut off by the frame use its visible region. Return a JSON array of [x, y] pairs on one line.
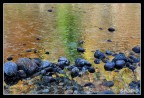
[[23, 23]]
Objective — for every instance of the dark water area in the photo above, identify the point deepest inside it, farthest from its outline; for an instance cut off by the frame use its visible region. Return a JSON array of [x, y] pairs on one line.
[[58, 28]]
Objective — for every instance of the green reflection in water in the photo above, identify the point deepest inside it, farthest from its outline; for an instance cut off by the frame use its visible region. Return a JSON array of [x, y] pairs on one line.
[[68, 28]]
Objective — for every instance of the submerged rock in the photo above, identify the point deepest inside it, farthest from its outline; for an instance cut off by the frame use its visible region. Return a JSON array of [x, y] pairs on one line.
[[111, 29], [136, 49], [10, 68], [80, 49], [45, 64]]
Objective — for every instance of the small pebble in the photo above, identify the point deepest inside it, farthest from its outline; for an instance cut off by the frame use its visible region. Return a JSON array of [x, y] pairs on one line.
[[46, 52], [37, 38], [50, 10], [29, 50], [111, 29], [10, 58], [109, 40]]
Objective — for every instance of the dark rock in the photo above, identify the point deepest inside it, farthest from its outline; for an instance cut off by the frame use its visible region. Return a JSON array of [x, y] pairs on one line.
[[80, 49], [48, 79], [132, 68], [38, 61], [91, 69], [120, 64], [43, 72], [111, 29], [120, 56], [81, 62], [91, 85], [136, 49], [134, 84], [45, 64], [10, 58], [106, 92], [108, 52], [69, 68], [22, 74], [108, 83], [46, 52], [99, 55], [114, 54], [37, 38], [11, 80], [128, 64], [29, 50], [106, 60], [134, 59], [109, 40], [27, 65], [101, 28], [109, 66], [35, 51], [10, 68], [62, 62], [74, 72], [97, 61], [49, 10]]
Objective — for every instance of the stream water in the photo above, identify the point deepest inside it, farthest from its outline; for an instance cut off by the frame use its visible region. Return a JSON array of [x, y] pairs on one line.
[[61, 26]]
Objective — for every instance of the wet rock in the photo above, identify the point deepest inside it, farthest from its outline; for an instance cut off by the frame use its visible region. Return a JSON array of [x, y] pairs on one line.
[[29, 50], [134, 59], [108, 52], [69, 92], [99, 55], [111, 29], [136, 49], [10, 58], [108, 83], [91, 85], [38, 61], [128, 64], [11, 80], [134, 84], [27, 65], [62, 62], [10, 68], [120, 64], [22, 74], [47, 52], [43, 72], [109, 40], [97, 61], [91, 69], [106, 60], [49, 10], [81, 62], [106, 92], [80, 49], [45, 91], [132, 68], [48, 79], [74, 72], [45, 64], [120, 56], [61, 84], [69, 68], [109, 66]]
